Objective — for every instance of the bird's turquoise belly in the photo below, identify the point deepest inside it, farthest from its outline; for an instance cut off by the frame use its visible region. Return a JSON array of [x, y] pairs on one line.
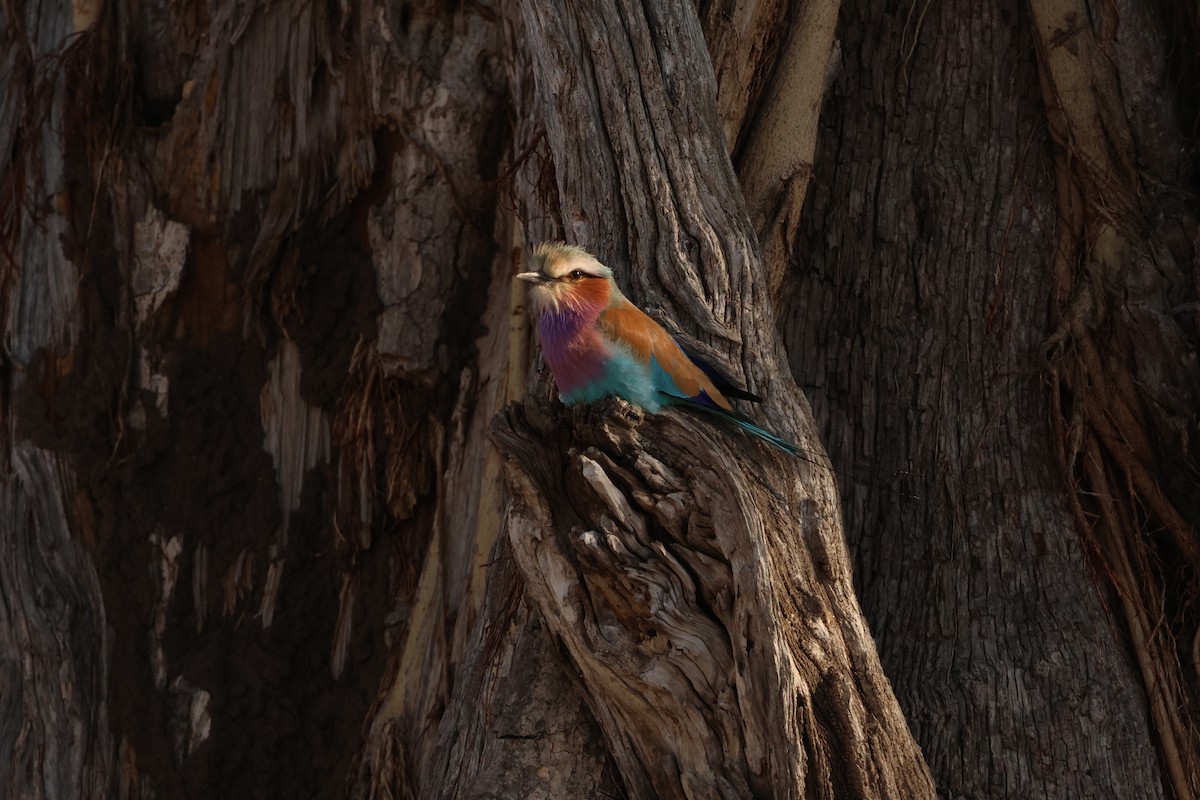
[[622, 377]]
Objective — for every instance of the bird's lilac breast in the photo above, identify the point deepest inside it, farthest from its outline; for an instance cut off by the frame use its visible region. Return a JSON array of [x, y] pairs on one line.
[[574, 350]]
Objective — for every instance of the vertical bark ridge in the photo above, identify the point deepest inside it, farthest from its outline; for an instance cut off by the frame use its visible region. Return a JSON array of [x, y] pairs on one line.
[[432, 230], [779, 135]]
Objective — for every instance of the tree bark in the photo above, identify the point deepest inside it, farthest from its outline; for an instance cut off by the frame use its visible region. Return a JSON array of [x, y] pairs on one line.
[[55, 739], [287, 505], [648, 651], [949, 247]]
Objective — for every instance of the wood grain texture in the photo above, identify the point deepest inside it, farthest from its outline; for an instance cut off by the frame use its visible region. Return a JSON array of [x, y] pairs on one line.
[[442, 342], [257, 318], [681, 239], [703, 599], [55, 739], [54, 616], [517, 724], [261, 111]]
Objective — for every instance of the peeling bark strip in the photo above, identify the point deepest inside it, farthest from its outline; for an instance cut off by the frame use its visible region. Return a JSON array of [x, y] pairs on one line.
[[1126, 380], [721, 657]]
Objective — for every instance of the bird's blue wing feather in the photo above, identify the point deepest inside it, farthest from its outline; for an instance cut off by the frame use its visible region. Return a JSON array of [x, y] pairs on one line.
[[664, 383], [722, 381]]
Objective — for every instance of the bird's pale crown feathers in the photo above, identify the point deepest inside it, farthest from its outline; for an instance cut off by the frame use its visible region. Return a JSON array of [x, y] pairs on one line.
[[559, 259]]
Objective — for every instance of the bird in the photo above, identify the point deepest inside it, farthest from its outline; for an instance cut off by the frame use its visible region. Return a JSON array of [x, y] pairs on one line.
[[599, 344]]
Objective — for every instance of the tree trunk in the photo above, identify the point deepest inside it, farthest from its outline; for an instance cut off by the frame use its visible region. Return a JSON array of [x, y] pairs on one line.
[[1018, 567], [271, 523]]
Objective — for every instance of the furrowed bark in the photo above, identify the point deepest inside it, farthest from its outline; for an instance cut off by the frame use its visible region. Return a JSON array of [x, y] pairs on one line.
[[444, 291], [723, 695], [940, 230], [517, 725], [258, 323]]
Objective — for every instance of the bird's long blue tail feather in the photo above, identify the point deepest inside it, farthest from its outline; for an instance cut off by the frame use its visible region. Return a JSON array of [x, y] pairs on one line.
[[748, 426], [812, 457], [765, 435]]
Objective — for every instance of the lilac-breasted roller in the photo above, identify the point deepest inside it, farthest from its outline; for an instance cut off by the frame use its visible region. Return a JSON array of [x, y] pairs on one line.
[[598, 344]]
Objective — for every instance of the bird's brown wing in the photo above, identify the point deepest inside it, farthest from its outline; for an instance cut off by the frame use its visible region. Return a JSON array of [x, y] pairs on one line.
[[646, 339]]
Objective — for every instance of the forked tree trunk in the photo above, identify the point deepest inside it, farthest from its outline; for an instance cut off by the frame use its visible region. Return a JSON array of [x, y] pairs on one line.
[[272, 525]]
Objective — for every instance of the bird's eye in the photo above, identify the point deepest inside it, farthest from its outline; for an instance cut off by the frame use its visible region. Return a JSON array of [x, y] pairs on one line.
[[576, 274]]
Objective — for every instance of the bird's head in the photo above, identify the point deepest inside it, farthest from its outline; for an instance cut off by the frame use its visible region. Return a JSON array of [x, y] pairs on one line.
[[567, 279]]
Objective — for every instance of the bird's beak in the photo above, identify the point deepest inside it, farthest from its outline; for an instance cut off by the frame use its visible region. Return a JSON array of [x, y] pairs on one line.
[[533, 277]]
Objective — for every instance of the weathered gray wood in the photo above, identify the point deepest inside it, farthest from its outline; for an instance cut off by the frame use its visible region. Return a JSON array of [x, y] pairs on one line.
[[517, 724], [443, 330], [704, 600], [681, 240], [54, 735]]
